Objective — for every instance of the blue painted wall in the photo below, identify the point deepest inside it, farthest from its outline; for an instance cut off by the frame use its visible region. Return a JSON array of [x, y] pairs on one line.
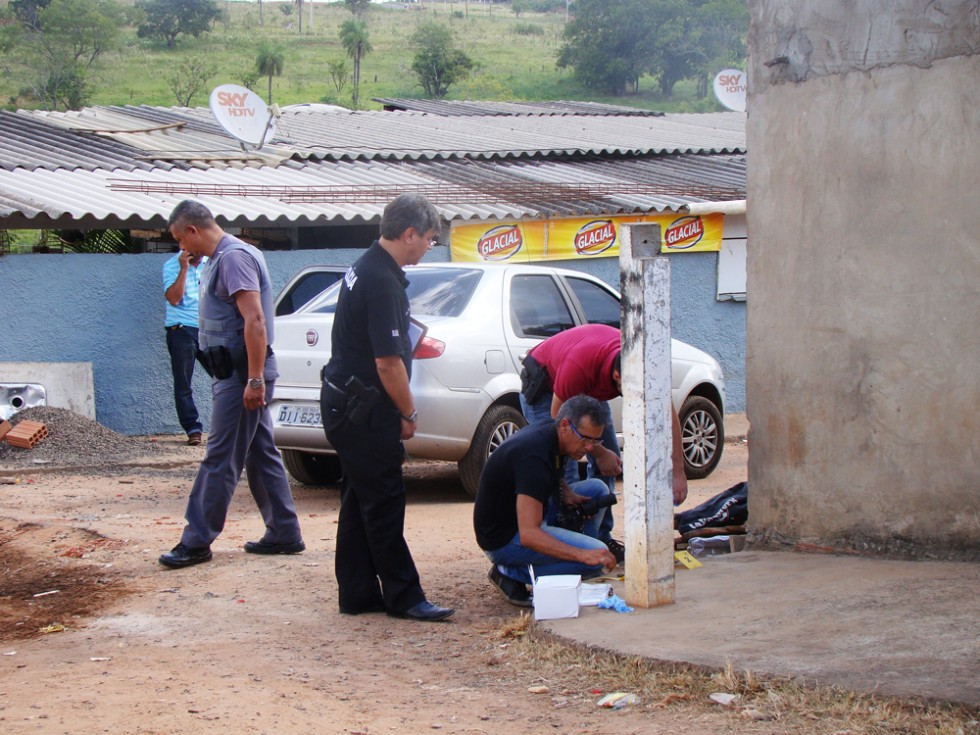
[[108, 310]]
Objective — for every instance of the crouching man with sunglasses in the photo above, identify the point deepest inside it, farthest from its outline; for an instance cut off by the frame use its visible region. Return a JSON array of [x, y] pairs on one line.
[[521, 494]]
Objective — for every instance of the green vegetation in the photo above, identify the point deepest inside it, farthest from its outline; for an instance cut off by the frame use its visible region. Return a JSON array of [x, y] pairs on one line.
[[612, 44], [510, 62], [354, 38], [168, 19], [269, 63], [438, 63]]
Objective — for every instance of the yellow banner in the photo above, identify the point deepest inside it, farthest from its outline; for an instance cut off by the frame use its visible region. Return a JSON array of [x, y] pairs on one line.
[[578, 238]]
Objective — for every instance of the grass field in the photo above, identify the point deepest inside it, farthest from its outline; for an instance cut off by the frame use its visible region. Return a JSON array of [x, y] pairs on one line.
[[512, 65]]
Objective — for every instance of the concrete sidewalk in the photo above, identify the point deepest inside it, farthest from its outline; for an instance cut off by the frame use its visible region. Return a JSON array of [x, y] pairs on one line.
[[899, 628]]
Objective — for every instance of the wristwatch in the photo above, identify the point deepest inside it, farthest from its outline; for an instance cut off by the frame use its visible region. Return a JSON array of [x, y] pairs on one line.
[[414, 417], [256, 382]]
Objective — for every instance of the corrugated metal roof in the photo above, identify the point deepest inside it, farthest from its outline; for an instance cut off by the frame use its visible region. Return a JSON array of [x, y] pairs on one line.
[[268, 195], [460, 108], [161, 136], [189, 138], [30, 142], [56, 167], [412, 135]]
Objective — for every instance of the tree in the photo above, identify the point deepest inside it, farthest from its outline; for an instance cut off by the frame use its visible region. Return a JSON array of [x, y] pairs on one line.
[[609, 42], [70, 36], [354, 39], [269, 62], [26, 11], [358, 7], [339, 73], [81, 29], [167, 19], [191, 77], [438, 64]]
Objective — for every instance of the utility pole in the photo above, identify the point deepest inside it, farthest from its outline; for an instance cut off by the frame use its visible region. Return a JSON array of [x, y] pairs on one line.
[[647, 469]]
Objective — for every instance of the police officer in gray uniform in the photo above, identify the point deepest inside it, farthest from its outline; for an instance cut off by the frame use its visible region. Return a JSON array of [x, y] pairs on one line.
[[236, 331]]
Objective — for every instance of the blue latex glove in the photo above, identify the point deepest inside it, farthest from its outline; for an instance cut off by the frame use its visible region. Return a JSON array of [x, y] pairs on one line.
[[614, 602]]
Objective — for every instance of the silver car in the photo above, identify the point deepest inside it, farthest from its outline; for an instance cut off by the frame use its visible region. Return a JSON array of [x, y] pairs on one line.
[[482, 320]]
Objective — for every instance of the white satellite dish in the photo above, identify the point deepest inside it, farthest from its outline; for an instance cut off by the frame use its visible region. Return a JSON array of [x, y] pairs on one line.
[[243, 114], [730, 87]]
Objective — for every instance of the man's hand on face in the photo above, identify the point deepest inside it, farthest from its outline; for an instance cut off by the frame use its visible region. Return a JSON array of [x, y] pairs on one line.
[[187, 258]]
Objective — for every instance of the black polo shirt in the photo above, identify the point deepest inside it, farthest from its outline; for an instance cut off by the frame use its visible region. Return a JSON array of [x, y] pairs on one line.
[[528, 463], [371, 320]]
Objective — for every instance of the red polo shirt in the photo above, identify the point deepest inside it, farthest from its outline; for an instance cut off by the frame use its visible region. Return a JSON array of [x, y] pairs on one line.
[[579, 360]]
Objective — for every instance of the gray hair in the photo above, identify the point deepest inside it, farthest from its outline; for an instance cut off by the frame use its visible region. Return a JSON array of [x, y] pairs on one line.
[[408, 210], [577, 407], [190, 212]]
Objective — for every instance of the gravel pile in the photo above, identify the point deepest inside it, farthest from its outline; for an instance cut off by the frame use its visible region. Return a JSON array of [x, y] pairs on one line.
[[75, 441]]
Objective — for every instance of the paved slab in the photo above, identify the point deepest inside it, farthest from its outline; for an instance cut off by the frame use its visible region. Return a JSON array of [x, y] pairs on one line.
[[899, 628]]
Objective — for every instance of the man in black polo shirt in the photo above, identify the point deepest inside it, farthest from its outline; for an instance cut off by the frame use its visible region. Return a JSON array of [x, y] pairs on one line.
[[520, 494], [368, 410]]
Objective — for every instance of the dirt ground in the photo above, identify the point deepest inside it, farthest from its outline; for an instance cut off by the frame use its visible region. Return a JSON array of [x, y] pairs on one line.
[[96, 636]]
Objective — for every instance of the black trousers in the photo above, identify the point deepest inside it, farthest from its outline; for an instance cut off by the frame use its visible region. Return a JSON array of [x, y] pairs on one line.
[[373, 563]]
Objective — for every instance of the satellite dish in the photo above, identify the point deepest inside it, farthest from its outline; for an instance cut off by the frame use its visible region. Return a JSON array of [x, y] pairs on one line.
[[730, 87], [243, 114]]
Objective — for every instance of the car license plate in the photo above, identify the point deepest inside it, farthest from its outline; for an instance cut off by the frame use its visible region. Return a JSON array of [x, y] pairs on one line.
[[292, 415]]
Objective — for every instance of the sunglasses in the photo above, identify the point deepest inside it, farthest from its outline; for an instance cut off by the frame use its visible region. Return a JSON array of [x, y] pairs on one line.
[[587, 440]]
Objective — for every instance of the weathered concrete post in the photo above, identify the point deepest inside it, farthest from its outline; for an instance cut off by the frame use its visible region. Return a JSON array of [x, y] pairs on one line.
[[647, 494]]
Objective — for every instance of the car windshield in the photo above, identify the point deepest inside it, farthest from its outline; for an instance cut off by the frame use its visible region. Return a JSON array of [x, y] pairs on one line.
[[431, 292]]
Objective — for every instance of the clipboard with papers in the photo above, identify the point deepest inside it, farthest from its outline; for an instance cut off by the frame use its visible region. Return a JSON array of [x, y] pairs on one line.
[[416, 331]]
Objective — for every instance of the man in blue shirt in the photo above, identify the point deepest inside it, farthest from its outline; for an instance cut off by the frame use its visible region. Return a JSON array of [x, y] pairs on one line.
[[180, 286]]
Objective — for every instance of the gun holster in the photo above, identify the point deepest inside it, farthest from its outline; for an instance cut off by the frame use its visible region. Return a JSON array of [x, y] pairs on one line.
[[221, 363], [534, 380], [361, 400]]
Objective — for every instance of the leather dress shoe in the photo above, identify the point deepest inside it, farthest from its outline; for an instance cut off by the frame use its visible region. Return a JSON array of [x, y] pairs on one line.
[[267, 547], [184, 556], [424, 610]]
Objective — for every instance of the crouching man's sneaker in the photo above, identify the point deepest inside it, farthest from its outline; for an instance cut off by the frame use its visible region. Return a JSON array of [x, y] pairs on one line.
[[185, 556], [515, 591]]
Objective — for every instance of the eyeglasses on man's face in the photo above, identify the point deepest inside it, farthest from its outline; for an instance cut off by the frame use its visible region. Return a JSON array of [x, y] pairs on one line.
[[587, 440]]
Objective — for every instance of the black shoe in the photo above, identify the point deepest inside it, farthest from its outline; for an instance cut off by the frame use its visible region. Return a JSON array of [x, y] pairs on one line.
[[267, 547], [184, 556], [194, 440], [425, 610], [617, 549], [377, 607], [515, 591]]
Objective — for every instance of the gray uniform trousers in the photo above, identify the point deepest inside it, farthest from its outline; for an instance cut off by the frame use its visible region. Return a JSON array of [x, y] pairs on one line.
[[239, 439]]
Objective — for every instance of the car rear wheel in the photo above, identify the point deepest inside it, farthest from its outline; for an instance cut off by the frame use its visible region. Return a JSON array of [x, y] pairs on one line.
[[497, 424], [702, 437], [312, 469]]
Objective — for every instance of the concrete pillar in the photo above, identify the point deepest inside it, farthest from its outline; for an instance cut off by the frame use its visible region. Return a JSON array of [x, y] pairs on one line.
[[647, 493]]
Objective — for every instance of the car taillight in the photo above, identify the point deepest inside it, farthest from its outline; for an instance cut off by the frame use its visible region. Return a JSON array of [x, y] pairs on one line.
[[429, 348]]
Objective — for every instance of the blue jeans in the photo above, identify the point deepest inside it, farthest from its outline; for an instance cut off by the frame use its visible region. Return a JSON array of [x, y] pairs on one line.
[[182, 346], [513, 559], [540, 410]]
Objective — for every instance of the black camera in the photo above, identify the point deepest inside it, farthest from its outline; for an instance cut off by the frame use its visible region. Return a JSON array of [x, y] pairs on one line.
[[573, 517]]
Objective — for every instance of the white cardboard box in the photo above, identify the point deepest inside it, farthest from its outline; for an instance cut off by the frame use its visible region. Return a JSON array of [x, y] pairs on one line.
[[556, 596]]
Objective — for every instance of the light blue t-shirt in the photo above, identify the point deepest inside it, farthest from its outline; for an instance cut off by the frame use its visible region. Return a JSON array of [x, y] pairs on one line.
[[186, 311]]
